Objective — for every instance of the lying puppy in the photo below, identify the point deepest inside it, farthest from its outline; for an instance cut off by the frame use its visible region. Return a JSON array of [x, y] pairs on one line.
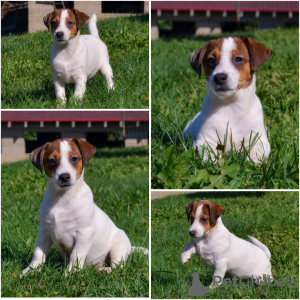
[[76, 58], [221, 250], [69, 218], [229, 66]]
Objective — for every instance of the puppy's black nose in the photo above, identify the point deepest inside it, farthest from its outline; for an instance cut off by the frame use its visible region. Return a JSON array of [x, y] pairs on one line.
[[220, 78], [64, 177], [192, 233], [59, 34]]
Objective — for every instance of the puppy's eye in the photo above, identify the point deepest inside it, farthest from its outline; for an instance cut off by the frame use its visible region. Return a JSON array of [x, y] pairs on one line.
[[211, 61], [74, 159], [203, 220], [54, 24], [52, 161], [238, 59], [70, 23]]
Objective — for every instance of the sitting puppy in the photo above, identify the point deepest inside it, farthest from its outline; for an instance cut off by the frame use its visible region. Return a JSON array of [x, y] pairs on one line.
[[76, 58], [220, 249], [229, 66], [69, 218]]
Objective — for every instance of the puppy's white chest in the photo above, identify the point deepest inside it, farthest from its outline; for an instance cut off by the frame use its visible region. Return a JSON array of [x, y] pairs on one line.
[[60, 225], [67, 69], [206, 255], [62, 218]]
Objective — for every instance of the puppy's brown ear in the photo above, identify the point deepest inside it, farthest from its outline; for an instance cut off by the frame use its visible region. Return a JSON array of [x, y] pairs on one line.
[[196, 59], [47, 19], [215, 211], [87, 150], [36, 157], [258, 52], [80, 17], [189, 209]]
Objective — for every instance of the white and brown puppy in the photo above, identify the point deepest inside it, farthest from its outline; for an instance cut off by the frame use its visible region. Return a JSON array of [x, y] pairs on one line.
[[221, 250], [76, 58], [69, 218], [229, 65]]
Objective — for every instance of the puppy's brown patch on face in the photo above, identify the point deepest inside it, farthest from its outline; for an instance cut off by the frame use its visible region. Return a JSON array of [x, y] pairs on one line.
[[204, 217], [243, 66], [51, 157], [71, 24], [75, 159], [212, 56], [190, 209], [53, 20]]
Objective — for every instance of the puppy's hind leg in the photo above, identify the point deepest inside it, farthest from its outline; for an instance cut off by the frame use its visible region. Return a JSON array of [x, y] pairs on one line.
[[119, 252], [107, 72]]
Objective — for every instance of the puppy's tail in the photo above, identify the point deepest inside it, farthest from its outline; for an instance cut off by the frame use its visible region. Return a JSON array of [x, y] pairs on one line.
[[260, 245], [93, 26], [140, 249]]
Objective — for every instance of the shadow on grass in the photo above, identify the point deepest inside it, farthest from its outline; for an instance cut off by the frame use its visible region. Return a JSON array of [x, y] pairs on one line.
[[43, 91], [164, 277], [121, 152]]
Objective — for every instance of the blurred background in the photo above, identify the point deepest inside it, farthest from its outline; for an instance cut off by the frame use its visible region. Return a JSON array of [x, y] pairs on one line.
[[171, 18], [27, 16], [24, 131]]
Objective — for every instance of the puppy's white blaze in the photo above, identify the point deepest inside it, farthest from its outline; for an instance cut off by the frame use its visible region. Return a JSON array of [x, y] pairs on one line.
[[196, 224], [65, 165], [226, 65], [63, 25], [227, 47]]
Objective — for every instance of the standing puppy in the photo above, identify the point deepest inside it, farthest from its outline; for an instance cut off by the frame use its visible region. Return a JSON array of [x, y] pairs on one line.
[[76, 58], [229, 66], [220, 249], [69, 218]]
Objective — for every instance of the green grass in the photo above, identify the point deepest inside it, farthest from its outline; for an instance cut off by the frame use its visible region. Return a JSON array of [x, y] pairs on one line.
[[26, 76], [271, 217], [119, 179], [177, 95]]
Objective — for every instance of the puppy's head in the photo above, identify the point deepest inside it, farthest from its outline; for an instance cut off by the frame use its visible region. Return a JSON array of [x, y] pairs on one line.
[[65, 23], [63, 160], [229, 63], [204, 215]]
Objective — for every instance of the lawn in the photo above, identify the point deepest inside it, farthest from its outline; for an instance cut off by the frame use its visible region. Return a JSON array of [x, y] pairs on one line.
[[271, 217], [26, 75], [177, 95], [119, 179]]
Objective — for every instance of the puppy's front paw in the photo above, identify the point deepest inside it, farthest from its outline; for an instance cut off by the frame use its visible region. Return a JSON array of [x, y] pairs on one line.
[[78, 97], [105, 269], [185, 257], [70, 271], [24, 272], [62, 103]]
